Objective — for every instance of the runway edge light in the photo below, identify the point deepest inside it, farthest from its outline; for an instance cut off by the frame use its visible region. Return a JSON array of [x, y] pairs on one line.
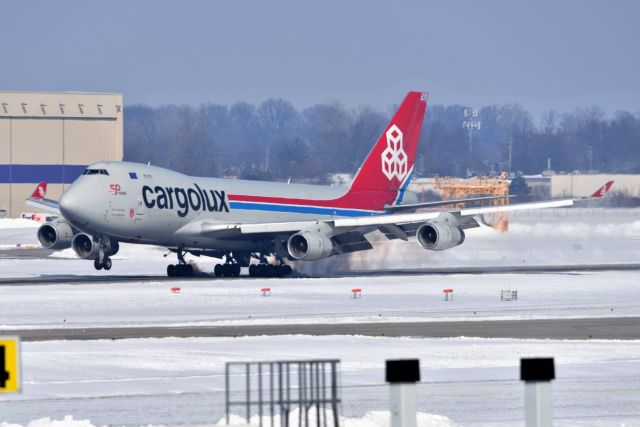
[[10, 377]]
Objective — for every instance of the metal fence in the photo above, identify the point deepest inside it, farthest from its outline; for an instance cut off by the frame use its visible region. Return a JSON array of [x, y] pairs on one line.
[[276, 389]]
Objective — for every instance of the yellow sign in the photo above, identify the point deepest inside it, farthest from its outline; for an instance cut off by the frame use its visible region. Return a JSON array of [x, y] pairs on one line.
[[9, 364]]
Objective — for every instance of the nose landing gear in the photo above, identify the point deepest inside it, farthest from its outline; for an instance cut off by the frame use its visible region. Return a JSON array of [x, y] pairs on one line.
[[106, 263], [103, 261]]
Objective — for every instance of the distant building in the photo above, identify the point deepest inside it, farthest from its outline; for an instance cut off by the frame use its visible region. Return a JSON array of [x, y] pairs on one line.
[[52, 137], [576, 185], [540, 185]]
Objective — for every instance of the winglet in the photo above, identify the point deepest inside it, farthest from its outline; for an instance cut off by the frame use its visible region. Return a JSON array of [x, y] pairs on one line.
[[40, 192], [602, 190]]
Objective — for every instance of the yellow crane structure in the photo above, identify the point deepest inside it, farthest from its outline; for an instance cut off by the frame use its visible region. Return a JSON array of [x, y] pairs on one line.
[[458, 188]]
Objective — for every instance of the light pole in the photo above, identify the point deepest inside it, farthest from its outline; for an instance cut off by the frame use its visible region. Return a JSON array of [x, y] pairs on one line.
[[470, 123]]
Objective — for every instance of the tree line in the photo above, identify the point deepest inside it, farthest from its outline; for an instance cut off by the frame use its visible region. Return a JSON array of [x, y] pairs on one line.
[[274, 140]]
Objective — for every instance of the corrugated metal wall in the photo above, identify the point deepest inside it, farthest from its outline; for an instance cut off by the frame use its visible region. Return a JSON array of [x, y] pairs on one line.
[[52, 137]]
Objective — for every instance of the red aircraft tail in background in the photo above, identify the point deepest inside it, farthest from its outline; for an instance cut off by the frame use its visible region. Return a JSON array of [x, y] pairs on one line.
[[40, 192], [602, 190]]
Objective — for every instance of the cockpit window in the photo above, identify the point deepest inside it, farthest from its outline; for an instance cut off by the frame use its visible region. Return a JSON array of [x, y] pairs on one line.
[[95, 172]]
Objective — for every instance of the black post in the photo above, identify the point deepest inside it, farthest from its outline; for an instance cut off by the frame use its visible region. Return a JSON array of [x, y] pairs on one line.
[[402, 376], [537, 375]]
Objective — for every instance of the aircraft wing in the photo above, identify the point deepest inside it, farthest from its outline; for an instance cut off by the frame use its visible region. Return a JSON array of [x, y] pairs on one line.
[[400, 219], [415, 206], [393, 225], [44, 204]]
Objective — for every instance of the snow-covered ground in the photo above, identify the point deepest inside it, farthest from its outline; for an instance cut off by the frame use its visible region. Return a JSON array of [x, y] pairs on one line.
[[181, 381], [471, 381], [384, 299]]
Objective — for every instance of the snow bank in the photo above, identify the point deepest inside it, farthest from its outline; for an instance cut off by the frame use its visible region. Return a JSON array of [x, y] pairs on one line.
[[370, 419], [67, 421]]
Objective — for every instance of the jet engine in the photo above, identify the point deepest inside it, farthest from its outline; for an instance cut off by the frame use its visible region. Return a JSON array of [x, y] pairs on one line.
[[87, 248], [56, 235], [440, 234], [310, 246]]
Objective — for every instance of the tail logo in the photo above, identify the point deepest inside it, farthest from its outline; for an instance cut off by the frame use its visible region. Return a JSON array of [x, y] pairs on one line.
[[394, 158]]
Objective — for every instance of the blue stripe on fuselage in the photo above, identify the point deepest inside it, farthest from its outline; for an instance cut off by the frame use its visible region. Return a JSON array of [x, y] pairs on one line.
[[300, 209]]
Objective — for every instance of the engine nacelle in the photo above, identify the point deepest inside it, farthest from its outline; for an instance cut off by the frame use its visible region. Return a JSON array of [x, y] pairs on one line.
[[310, 246], [87, 248], [55, 235], [440, 234]]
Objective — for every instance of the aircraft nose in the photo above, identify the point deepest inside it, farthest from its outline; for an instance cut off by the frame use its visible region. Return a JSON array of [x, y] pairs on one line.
[[69, 201], [73, 205]]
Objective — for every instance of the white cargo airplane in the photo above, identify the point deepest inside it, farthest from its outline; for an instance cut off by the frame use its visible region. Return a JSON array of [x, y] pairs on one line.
[[239, 220]]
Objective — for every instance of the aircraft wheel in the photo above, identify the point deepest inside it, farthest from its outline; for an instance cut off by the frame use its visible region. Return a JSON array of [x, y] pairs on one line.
[[286, 270], [236, 270], [171, 270], [106, 264], [188, 270], [253, 270], [261, 270], [96, 264], [280, 271], [272, 270], [217, 270], [227, 270]]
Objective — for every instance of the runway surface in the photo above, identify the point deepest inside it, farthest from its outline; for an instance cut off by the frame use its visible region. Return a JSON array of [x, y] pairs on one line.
[[25, 253], [623, 328], [101, 278]]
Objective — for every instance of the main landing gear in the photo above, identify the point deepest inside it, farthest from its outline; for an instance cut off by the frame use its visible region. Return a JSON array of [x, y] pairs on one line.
[[264, 269], [182, 269], [230, 268]]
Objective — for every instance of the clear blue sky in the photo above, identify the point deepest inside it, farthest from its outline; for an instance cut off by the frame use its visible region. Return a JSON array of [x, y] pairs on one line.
[[543, 54]]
